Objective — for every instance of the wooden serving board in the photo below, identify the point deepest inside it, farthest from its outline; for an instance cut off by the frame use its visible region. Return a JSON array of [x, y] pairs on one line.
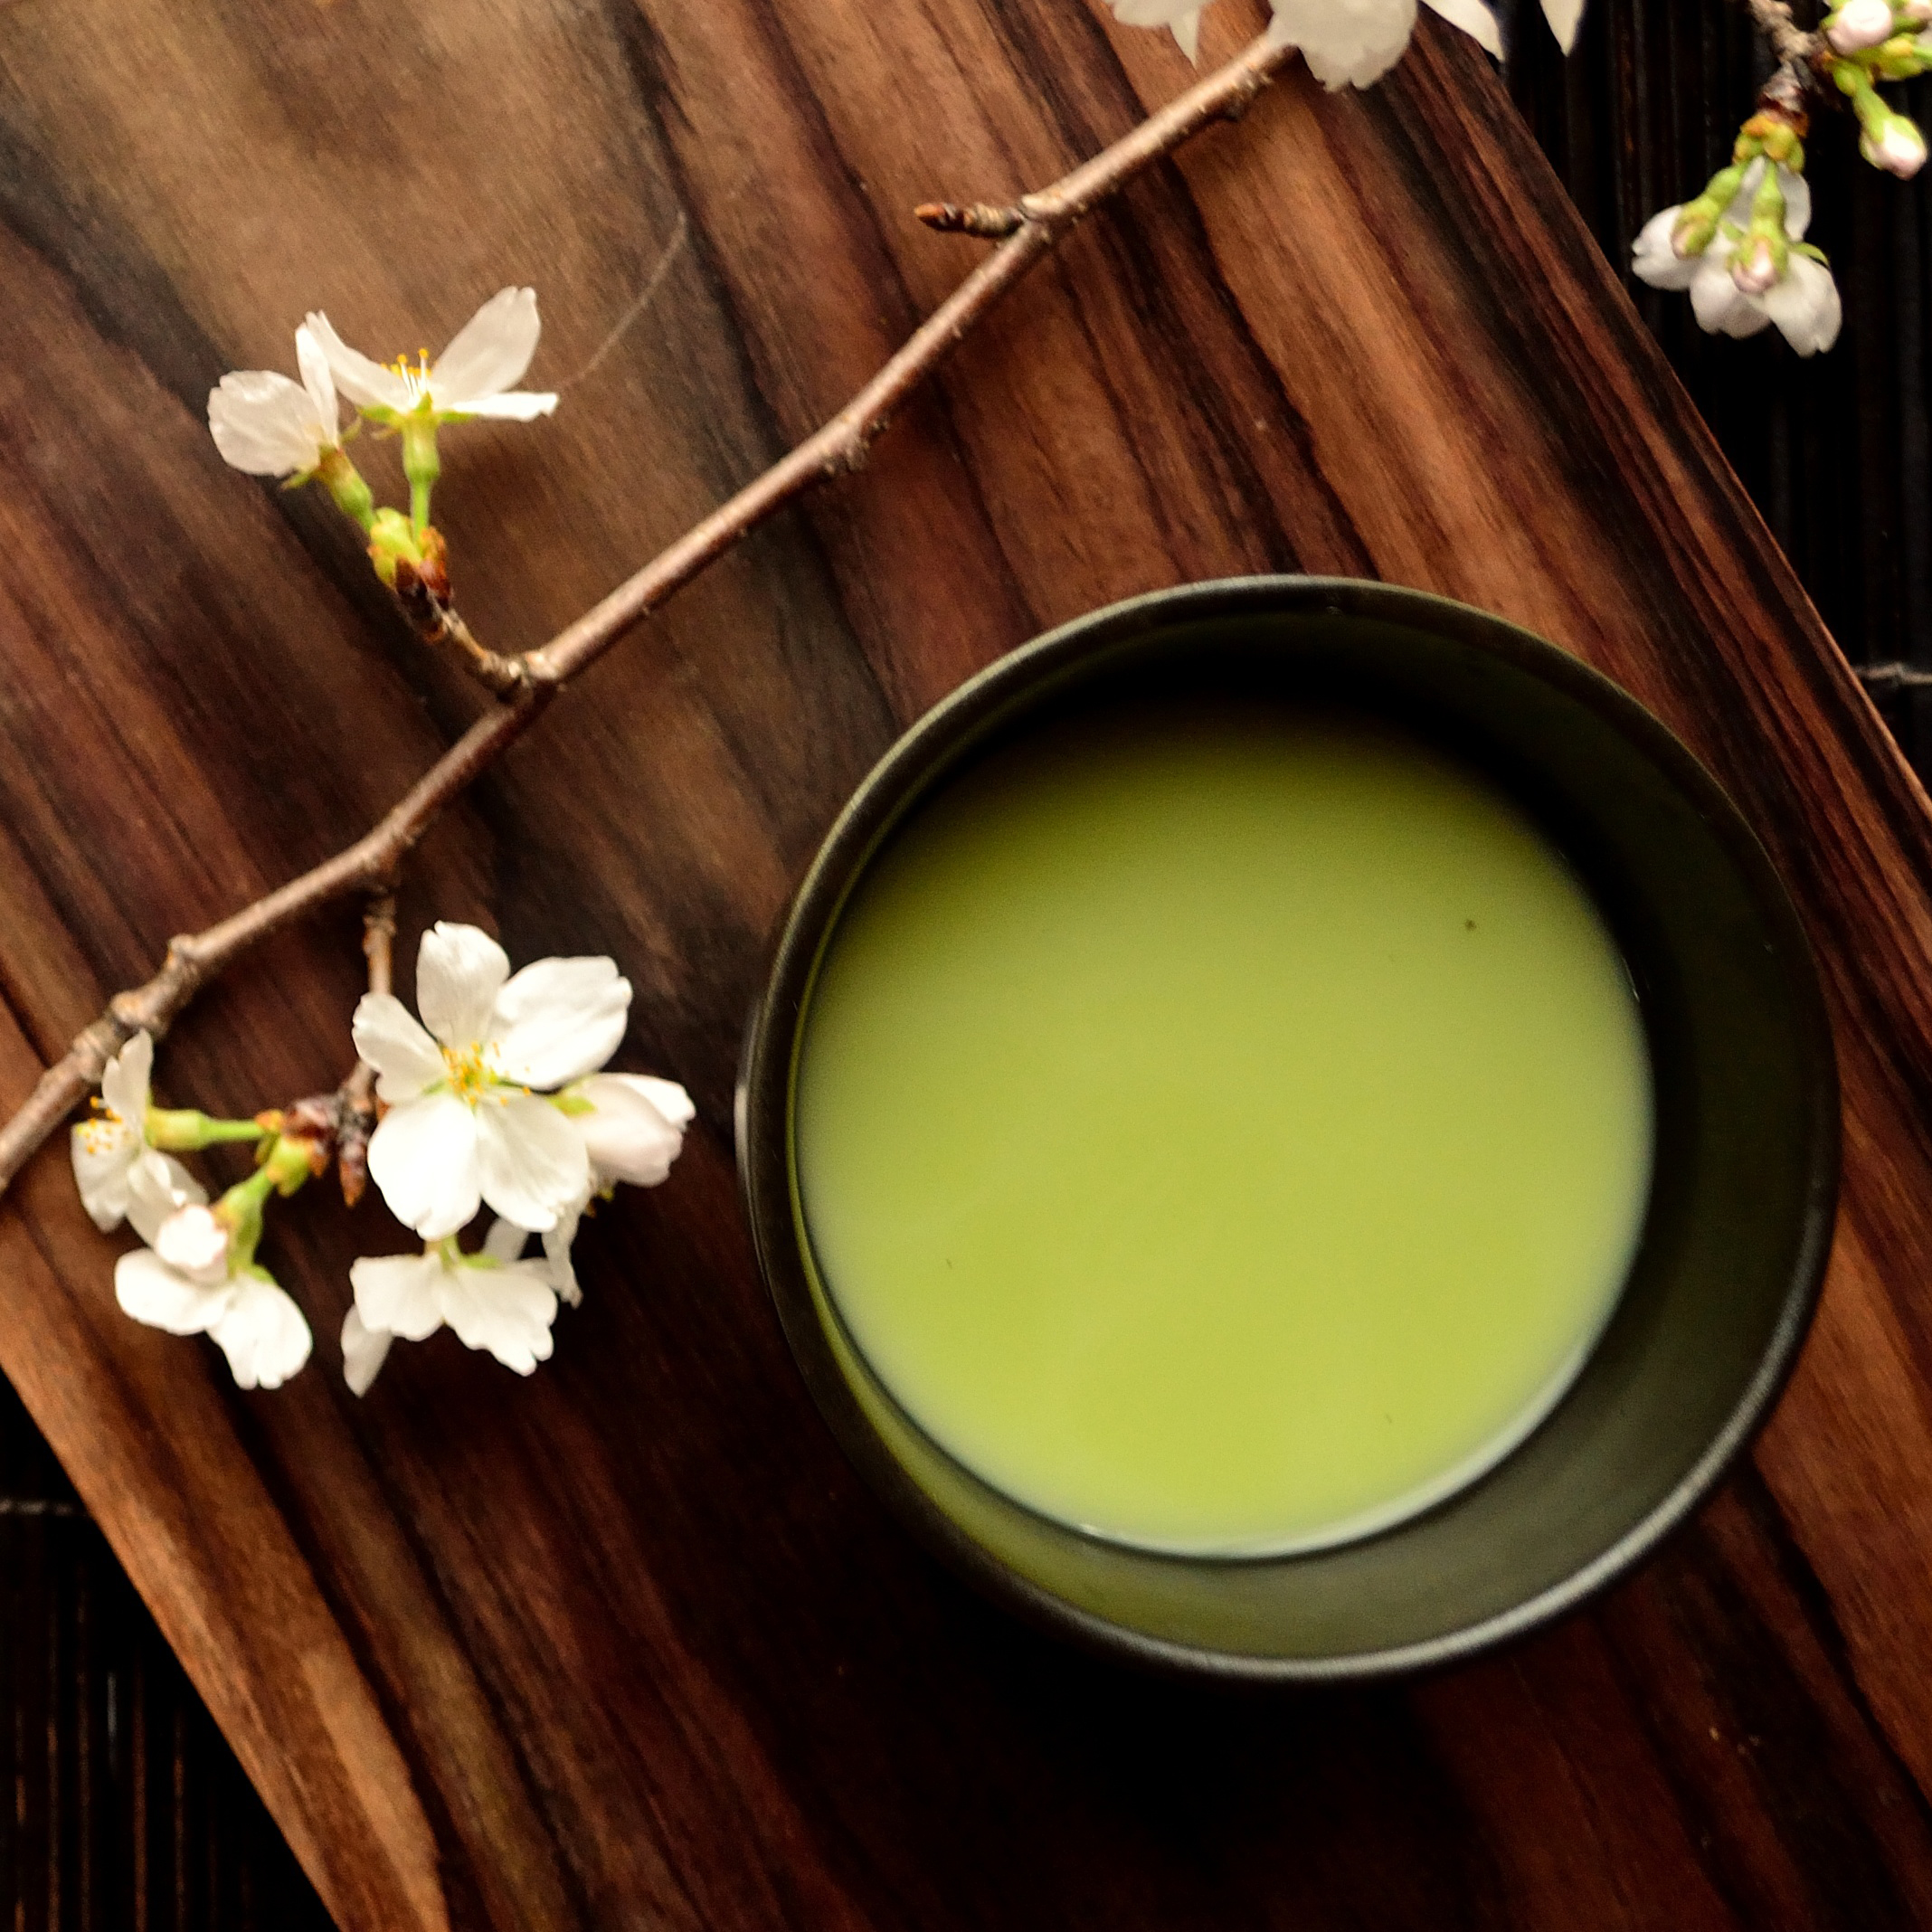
[[628, 1645]]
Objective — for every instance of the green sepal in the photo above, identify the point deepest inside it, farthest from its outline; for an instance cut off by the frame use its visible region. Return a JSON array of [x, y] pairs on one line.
[[240, 1211], [391, 535], [287, 1164]]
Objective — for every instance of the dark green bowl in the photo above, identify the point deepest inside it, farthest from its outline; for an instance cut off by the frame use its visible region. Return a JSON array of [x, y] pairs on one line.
[[1739, 1226]]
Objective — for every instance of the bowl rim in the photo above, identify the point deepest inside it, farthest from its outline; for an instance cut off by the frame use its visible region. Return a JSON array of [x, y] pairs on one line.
[[762, 1108]]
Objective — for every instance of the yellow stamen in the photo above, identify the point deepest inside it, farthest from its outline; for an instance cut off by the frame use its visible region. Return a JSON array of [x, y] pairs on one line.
[[470, 1077], [418, 378], [100, 1133]]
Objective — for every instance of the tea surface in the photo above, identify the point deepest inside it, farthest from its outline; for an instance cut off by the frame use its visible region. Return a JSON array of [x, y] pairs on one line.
[[1223, 1129]]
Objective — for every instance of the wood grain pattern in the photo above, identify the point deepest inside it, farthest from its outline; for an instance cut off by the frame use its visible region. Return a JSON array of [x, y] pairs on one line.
[[626, 1644]]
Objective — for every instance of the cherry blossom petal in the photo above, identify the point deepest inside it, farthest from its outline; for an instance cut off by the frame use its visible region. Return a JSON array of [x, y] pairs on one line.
[[359, 379], [636, 1127], [318, 380], [364, 1349], [531, 1159], [1476, 21], [263, 1334], [506, 1311], [519, 405], [506, 1241], [150, 1291], [389, 1038], [1653, 256], [559, 1018], [423, 1157], [558, 1267], [158, 1186], [490, 351], [1153, 13], [460, 972], [1565, 16], [1797, 203], [126, 1080], [1345, 42], [1721, 306], [104, 1151], [399, 1294], [265, 424], [1805, 305]]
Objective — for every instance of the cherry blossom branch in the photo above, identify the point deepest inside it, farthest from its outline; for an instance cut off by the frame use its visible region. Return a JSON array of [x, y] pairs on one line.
[[379, 942], [1792, 45], [345, 1120], [1887, 680], [528, 683], [1795, 52], [436, 621]]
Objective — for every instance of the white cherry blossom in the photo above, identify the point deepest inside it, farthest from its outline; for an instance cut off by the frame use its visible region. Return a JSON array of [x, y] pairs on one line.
[[256, 1323], [493, 1299], [472, 377], [1349, 43], [1354, 43], [633, 1127], [467, 1121], [120, 1177], [268, 426], [1731, 298]]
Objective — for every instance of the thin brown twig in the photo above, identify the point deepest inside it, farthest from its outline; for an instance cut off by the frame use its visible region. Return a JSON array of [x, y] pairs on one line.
[[1887, 680], [838, 446], [1790, 43], [1797, 54], [436, 621], [354, 1099], [379, 944]]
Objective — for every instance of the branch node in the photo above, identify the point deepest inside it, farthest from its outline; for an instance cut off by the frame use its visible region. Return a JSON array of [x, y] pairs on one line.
[[435, 621]]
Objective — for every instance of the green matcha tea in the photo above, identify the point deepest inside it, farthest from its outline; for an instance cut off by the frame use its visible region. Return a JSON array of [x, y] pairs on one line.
[[1223, 1129]]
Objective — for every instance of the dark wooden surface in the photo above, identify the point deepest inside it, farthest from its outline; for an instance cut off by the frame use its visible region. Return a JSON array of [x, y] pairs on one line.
[[628, 1645]]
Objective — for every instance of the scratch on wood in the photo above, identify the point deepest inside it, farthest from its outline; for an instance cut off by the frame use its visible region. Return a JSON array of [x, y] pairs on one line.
[[673, 248]]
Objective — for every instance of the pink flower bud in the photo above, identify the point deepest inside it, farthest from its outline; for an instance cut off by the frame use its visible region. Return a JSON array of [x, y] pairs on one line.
[[1917, 12], [1859, 24], [1754, 269], [1900, 149]]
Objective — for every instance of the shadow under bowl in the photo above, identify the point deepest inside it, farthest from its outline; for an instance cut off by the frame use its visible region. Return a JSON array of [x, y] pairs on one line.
[[1739, 1225]]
